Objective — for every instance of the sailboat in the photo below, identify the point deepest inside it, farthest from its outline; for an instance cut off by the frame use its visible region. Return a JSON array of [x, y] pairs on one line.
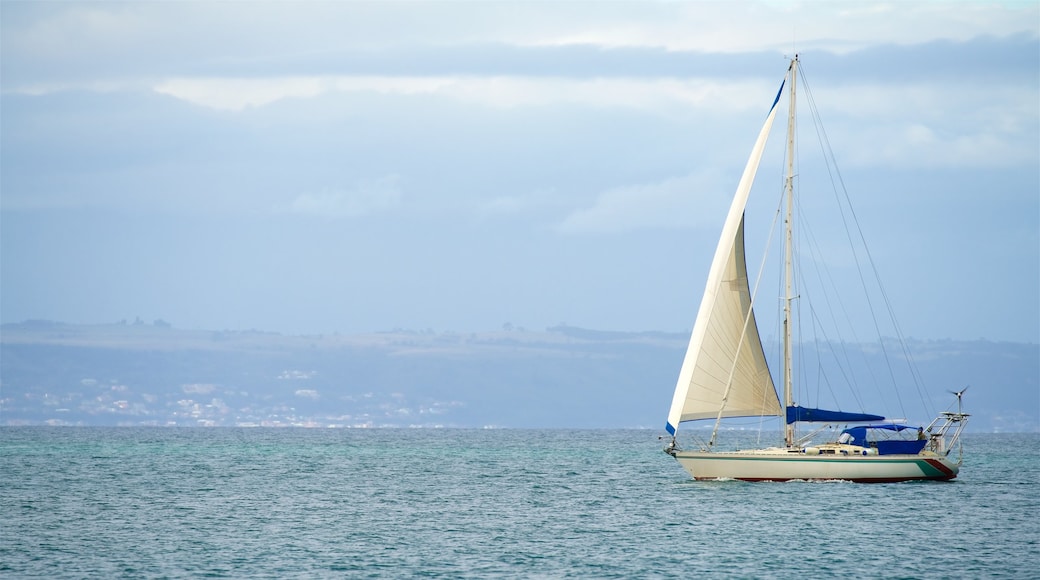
[[725, 374]]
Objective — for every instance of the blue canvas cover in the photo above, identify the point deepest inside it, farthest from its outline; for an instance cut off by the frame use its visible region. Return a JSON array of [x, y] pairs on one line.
[[873, 436], [805, 414]]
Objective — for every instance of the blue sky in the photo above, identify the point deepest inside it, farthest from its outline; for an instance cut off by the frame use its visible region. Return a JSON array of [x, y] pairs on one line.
[[349, 167]]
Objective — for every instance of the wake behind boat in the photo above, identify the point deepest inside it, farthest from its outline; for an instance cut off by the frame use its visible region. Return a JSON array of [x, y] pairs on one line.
[[725, 375]]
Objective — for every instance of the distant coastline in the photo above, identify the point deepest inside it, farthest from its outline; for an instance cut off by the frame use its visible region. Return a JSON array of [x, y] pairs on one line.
[[151, 373]]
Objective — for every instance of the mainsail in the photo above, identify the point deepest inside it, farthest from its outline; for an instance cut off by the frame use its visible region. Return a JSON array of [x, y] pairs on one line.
[[725, 348]]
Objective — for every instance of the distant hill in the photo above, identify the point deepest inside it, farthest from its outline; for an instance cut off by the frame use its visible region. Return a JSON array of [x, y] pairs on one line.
[[566, 377]]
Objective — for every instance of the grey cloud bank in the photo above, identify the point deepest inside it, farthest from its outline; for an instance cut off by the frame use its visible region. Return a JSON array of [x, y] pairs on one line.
[[524, 164]]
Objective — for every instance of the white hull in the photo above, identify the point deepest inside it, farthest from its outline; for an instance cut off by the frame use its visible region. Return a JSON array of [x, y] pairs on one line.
[[780, 464]]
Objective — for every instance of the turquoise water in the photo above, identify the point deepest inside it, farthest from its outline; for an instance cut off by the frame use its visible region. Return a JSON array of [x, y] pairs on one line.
[[260, 503]]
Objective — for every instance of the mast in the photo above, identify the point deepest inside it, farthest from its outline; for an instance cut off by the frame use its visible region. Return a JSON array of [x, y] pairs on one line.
[[788, 268]]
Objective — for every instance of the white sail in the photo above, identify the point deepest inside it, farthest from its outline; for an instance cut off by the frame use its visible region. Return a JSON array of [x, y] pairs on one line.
[[719, 353]]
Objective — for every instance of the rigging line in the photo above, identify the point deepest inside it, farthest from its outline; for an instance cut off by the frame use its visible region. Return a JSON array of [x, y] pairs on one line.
[[778, 321], [841, 358], [824, 377], [828, 286], [765, 395], [767, 245], [773, 230], [807, 238], [900, 335], [848, 376], [814, 331], [852, 380], [826, 283], [841, 350], [833, 171]]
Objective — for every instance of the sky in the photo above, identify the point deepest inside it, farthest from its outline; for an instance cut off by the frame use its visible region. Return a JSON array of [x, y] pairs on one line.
[[348, 167]]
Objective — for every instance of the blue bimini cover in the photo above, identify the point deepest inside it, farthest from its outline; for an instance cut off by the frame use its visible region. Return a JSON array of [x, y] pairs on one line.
[[888, 439]]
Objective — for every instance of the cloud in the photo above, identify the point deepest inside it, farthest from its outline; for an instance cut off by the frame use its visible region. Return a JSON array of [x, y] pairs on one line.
[[499, 91], [513, 205], [367, 197], [236, 94], [106, 40], [923, 146], [923, 125], [681, 202], [839, 27]]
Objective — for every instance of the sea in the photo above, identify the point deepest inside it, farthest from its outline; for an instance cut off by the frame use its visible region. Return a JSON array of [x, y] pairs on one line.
[[129, 502]]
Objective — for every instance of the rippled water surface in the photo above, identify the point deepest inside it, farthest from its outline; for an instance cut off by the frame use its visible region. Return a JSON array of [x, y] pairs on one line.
[[179, 503]]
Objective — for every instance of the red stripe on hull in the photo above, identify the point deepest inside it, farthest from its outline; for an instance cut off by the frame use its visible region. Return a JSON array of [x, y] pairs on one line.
[[946, 470], [855, 480]]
